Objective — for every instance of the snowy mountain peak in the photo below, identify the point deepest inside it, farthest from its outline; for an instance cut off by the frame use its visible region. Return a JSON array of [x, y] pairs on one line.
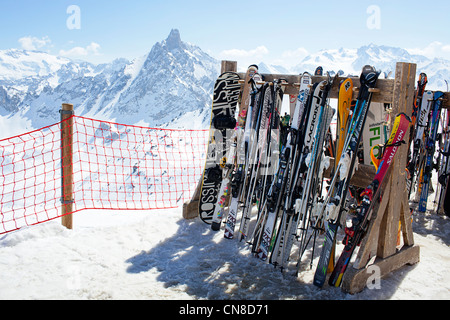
[[173, 41], [17, 64], [383, 58]]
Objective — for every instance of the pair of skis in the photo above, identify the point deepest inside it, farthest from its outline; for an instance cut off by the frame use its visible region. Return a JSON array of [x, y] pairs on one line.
[[430, 148], [266, 143], [308, 111], [334, 204], [308, 174], [443, 195], [345, 99]]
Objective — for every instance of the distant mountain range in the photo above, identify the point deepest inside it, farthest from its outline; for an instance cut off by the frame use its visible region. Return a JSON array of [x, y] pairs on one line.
[[174, 81], [170, 87], [383, 58]]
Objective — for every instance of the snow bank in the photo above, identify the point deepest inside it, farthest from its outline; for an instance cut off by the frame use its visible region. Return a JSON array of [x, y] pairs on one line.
[[158, 255]]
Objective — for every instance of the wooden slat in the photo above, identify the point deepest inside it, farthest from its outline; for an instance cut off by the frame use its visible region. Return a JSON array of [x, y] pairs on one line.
[[228, 66], [405, 219], [386, 86], [446, 104], [362, 177], [354, 281]]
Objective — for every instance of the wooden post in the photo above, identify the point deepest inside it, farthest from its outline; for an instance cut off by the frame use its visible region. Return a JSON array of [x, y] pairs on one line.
[[190, 208], [228, 66], [67, 164]]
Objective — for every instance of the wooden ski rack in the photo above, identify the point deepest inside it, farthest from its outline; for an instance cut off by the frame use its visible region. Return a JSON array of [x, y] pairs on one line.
[[379, 247]]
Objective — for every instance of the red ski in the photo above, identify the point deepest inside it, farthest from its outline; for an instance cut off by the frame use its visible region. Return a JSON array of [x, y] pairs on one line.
[[371, 195]]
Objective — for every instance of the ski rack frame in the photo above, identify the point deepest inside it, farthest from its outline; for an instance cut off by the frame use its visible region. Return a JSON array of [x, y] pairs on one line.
[[379, 248]]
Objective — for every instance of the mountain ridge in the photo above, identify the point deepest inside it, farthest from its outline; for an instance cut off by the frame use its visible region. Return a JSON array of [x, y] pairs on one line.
[[171, 86], [173, 79]]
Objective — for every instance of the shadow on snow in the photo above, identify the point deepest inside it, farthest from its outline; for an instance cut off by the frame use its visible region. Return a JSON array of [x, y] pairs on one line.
[[205, 265]]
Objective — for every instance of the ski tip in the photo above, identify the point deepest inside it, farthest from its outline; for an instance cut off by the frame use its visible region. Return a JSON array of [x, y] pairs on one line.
[[406, 116]]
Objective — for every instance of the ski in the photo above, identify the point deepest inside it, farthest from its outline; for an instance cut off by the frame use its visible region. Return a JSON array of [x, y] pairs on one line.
[[316, 162], [417, 113], [371, 195], [271, 202], [239, 179], [294, 147], [257, 158], [415, 163], [337, 193], [225, 99], [344, 108], [444, 171], [228, 161], [421, 84], [430, 149]]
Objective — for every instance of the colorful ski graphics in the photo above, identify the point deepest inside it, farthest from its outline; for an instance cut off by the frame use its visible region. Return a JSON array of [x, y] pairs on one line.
[[223, 121], [228, 162], [372, 193], [337, 192]]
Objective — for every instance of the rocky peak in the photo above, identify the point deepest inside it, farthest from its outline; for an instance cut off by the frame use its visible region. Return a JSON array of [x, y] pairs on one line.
[[173, 41]]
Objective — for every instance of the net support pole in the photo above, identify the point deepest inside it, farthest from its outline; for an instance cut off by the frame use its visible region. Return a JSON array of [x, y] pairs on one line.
[[67, 165]]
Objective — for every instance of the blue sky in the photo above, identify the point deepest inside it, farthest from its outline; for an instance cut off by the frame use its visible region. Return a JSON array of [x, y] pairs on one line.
[[270, 31]]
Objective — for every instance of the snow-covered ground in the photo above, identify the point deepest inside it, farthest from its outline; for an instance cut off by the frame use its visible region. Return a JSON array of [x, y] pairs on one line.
[[159, 255]]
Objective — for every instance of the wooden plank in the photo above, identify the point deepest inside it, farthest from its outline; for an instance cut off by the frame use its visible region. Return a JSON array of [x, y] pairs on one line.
[[406, 223], [386, 86], [354, 281], [402, 102], [446, 104], [190, 208], [362, 177], [229, 66]]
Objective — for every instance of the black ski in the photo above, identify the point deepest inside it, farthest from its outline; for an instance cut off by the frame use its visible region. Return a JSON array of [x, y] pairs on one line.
[[223, 121]]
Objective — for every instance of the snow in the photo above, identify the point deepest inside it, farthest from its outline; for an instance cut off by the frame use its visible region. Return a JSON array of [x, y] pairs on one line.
[[13, 125], [159, 255], [17, 64]]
